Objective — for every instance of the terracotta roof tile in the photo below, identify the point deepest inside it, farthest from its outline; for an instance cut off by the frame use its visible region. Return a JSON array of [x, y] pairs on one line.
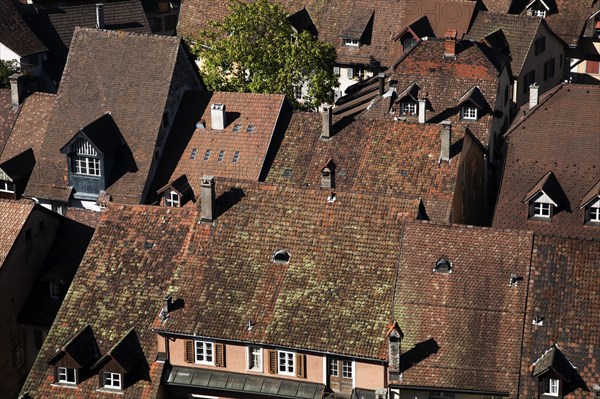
[[549, 126], [377, 156], [14, 32], [14, 215]]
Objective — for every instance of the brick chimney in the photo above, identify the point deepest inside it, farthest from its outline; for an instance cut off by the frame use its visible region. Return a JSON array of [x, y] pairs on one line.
[[381, 79], [207, 199], [533, 95], [100, 15], [218, 116], [16, 89], [327, 122], [422, 113], [450, 44], [394, 338], [446, 140]]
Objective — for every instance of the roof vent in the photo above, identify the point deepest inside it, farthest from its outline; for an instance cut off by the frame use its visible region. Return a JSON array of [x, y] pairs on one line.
[[538, 320], [443, 265], [148, 245], [332, 198], [100, 15], [218, 116], [282, 257], [514, 279], [201, 124]]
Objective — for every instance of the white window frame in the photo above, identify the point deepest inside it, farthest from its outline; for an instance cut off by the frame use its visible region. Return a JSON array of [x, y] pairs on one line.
[[289, 363], [542, 210], [204, 352], [347, 369], [334, 368], [351, 42], [538, 13], [408, 108], [62, 375], [86, 166], [236, 157], [594, 211], [468, 112], [553, 387], [172, 199], [5, 187], [111, 380], [254, 359], [298, 92]]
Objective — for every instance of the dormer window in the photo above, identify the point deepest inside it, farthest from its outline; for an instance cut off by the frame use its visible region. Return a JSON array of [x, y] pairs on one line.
[[542, 210], [85, 161], [537, 8], [468, 112], [172, 199], [65, 375], [111, 380], [544, 198], [408, 108], [351, 42], [7, 187], [592, 211], [408, 42], [552, 387]]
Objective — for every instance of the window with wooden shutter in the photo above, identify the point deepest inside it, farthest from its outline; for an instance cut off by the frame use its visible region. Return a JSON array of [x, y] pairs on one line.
[[300, 365], [220, 355], [273, 362], [189, 351]]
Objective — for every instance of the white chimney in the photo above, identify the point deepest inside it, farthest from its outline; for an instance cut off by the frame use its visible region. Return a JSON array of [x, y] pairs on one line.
[[100, 15], [16, 89], [422, 110], [446, 140], [207, 199], [218, 116], [533, 95]]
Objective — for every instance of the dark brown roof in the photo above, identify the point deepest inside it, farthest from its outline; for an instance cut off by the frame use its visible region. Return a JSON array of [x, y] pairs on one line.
[[441, 15], [251, 121], [519, 30], [550, 126], [500, 6], [132, 82], [8, 115], [462, 329], [564, 292], [381, 156], [55, 22], [81, 347], [30, 126], [14, 32], [14, 215], [444, 81]]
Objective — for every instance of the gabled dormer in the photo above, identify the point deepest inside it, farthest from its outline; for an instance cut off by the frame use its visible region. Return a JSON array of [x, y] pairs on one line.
[[472, 104], [72, 362], [358, 28], [553, 372], [115, 367], [177, 193], [591, 205], [545, 198], [90, 156], [540, 8], [415, 31], [301, 21], [15, 173], [408, 100], [328, 175]]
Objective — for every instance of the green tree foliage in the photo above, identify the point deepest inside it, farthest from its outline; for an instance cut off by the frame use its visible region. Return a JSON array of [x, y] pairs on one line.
[[256, 50], [7, 68]]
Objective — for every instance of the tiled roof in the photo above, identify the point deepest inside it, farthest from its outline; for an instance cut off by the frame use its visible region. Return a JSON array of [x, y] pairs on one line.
[[117, 290], [30, 126], [500, 6], [519, 30], [444, 81], [462, 329], [549, 126], [377, 156], [14, 215], [55, 24], [333, 18], [570, 20], [14, 32], [251, 121], [343, 254], [441, 15], [8, 115], [132, 83], [565, 293]]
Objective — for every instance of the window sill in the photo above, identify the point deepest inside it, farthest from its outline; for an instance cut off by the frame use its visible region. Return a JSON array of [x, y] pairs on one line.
[[593, 224], [257, 371], [205, 364], [540, 219], [118, 391], [64, 385]]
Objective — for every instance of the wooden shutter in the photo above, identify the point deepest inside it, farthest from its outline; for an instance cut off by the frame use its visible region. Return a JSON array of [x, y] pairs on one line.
[[219, 355], [273, 362], [300, 365], [189, 351]]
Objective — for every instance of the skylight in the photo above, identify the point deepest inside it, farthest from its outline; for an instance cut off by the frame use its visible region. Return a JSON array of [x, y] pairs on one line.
[[207, 155], [282, 256], [194, 153], [236, 157], [237, 128], [251, 128], [221, 155]]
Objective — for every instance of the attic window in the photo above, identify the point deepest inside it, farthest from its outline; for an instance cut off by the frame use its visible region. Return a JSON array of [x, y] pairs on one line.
[[221, 155], [65, 375], [236, 157], [172, 199], [409, 108], [85, 161], [443, 265], [593, 212], [351, 42], [207, 155], [111, 380], [7, 187], [251, 128], [541, 207], [194, 153], [552, 387], [237, 128], [282, 257], [468, 112]]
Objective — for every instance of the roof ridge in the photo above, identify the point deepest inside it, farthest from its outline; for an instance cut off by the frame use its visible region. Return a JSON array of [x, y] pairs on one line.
[[126, 33], [471, 227]]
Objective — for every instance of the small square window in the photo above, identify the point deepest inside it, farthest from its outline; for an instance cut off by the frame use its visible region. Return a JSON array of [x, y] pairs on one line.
[[542, 210], [66, 375], [7, 187], [409, 108], [469, 113], [221, 155], [351, 42], [172, 199], [204, 352], [207, 155], [237, 128], [347, 369], [111, 380], [287, 362]]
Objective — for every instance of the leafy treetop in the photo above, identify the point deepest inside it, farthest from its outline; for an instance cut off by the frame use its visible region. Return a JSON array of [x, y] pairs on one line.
[[7, 68]]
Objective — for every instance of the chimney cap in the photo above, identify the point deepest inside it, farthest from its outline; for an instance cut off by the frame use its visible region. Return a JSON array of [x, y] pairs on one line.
[[451, 34], [206, 179]]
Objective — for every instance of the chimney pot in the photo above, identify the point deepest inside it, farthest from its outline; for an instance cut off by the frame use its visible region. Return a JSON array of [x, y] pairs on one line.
[[381, 78], [218, 116], [422, 113], [533, 95], [327, 122], [450, 44], [446, 140], [207, 199], [16, 89], [100, 15]]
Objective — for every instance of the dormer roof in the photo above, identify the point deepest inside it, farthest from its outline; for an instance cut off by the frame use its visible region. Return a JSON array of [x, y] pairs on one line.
[[496, 40], [301, 21], [18, 166], [329, 166], [357, 23], [475, 97], [103, 134], [419, 28], [82, 348], [411, 92], [553, 359], [181, 186], [549, 186], [127, 352], [591, 195], [545, 3]]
